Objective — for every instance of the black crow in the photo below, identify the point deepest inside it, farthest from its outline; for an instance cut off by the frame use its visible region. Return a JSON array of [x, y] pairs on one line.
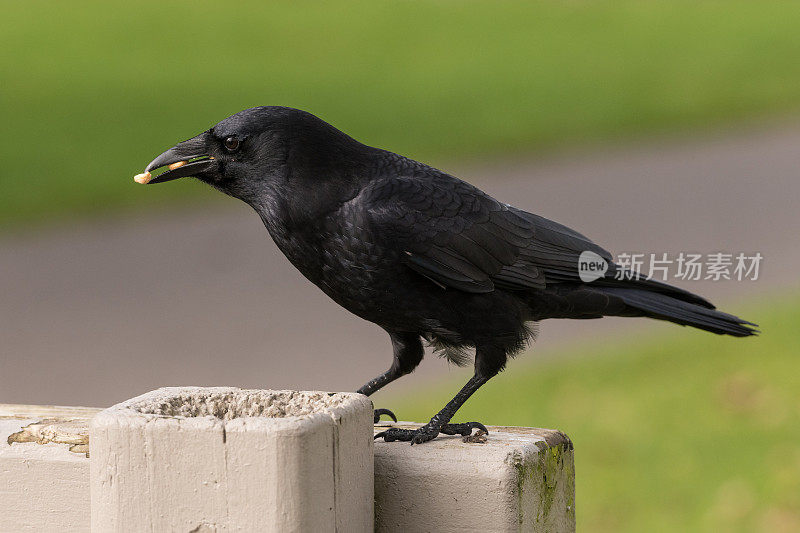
[[417, 251]]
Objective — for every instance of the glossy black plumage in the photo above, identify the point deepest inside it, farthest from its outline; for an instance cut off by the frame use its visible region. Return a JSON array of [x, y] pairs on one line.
[[417, 251]]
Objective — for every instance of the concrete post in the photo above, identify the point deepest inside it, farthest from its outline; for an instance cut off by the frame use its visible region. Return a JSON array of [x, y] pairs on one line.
[[514, 479], [226, 459]]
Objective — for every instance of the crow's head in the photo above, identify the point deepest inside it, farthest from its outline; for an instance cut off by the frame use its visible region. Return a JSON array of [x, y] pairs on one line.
[[266, 154]]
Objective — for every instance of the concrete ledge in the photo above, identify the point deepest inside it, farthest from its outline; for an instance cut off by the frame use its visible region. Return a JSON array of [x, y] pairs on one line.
[[197, 459], [517, 479], [44, 469]]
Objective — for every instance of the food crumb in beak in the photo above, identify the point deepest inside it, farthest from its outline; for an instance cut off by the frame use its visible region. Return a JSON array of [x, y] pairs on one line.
[[179, 164], [143, 178]]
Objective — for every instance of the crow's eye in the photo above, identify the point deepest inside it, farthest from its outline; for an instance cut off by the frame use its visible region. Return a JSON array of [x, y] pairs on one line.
[[232, 144]]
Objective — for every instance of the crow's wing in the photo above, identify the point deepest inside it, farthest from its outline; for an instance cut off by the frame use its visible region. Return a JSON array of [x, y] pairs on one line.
[[556, 249], [459, 237]]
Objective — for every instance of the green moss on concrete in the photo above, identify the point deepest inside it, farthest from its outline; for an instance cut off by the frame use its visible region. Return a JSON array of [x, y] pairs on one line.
[[542, 474]]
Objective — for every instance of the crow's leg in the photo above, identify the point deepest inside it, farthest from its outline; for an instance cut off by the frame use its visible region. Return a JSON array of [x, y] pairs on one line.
[[488, 362], [408, 353], [439, 422]]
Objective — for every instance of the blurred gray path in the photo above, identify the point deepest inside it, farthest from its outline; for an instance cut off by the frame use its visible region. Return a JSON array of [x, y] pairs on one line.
[[96, 313]]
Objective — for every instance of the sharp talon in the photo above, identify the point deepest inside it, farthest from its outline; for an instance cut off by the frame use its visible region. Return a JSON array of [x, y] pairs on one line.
[[463, 429], [378, 412], [414, 436]]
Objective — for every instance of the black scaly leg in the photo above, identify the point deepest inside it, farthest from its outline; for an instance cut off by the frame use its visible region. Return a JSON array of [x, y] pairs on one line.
[[486, 367], [408, 353]]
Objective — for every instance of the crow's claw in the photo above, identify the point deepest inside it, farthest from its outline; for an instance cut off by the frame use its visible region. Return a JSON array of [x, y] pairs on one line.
[[464, 429], [393, 434], [376, 415], [428, 432]]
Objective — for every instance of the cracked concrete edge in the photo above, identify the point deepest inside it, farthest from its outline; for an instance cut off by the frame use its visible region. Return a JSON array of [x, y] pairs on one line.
[[55, 429], [44, 471]]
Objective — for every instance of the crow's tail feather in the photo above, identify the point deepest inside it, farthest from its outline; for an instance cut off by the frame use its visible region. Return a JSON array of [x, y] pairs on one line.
[[664, 306]]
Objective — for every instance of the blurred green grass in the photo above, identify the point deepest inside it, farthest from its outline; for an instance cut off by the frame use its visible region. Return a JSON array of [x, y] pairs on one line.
[[679, 432], [91, 90]]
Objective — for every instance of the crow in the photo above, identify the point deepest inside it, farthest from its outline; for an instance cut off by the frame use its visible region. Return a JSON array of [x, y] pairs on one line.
[[422, 254]]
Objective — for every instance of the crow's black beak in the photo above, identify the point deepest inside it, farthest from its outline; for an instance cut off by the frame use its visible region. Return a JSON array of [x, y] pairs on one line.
[[189, 158]]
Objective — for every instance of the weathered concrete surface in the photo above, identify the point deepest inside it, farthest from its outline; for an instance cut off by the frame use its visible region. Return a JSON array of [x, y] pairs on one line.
[[519, 479], [227, 459], [44, 469]]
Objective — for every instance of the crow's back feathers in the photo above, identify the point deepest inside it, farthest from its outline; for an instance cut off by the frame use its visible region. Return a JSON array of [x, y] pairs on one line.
[[460, 238]]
